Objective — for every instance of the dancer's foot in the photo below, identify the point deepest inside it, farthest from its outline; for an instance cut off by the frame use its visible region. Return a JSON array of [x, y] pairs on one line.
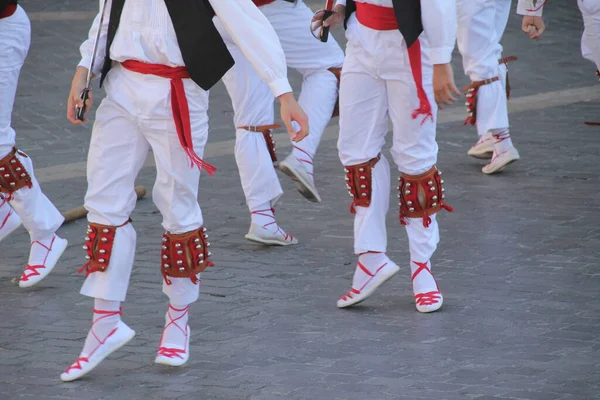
[[298, 166], [428, 297], [107, 334], [174, 347], [372, 270], [264, 229], [43, 257]]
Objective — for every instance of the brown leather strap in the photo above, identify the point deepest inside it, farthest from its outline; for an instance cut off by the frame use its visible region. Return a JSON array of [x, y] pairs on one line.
[[590, 123], [98, 246], [421, 196], [185, 255], [508, 59], [260, 128], [266, 130], [359, 182], [13, 175], [337, 71], [478, 84]]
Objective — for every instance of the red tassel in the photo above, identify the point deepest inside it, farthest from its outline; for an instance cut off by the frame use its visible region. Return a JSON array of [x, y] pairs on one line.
[[86, 268], [200, 163], [426, 220], [167, 280], [352, 209], [416, 66], [403, 220], [210, 263], [447, 207]]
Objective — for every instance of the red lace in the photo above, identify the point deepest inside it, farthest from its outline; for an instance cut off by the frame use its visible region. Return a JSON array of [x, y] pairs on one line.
[[309, 161], [496, 155], [105, 314], [34, 268], [4, 202], [172, 352], [502, 136], [482, 140], [264, 213], [371, 276], [427, 298]]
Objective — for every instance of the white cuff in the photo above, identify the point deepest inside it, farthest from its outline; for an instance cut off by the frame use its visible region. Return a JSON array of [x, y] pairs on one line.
[[523, 9], [441, 55], [280, 86], [85, 62], [340, 3]]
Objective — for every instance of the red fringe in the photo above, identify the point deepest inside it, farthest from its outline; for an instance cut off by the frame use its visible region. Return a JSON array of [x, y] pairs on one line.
[[200, 163], [403, 220], [426, 220], [447, 207], [88, 269], [352, 208]]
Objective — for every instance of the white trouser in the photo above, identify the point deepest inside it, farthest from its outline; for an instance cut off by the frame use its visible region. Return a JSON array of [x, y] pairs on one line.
[[590, 41], [377, 83], [38, 214], [481, 24], [253, 100], [134, 117]]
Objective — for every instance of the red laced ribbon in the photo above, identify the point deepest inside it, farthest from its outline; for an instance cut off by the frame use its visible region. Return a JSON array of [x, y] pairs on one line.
[[179, 106], [308, 160], [171, 352], [33, 269], [371, 276], [265, 213], [427, 298], [5, 199], [105, 314]]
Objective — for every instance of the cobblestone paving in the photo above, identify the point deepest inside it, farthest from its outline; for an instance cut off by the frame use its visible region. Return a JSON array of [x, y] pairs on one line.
[[518, 262]]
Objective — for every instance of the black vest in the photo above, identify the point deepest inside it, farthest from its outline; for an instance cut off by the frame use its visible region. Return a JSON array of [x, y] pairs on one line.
[[204, 53], [4, 3], [408, 15]]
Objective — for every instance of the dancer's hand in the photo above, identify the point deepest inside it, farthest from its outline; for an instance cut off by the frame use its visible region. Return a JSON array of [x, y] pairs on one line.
[[533, 26], [443, 84], [336, 19], [74, 100], [291, 111]]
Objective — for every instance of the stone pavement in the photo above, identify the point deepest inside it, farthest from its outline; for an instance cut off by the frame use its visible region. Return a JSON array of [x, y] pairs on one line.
[[517, 261]]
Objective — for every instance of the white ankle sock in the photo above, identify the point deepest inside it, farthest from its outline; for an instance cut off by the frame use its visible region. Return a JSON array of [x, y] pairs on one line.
[[423, 282], [39, 250], [107, 315], [264, 216], [304, 157], [502, 140], [175, 331], [370, 263]]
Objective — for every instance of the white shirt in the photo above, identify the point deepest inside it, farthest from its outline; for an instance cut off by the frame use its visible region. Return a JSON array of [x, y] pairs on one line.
[[527, 7], [439, 25], [146, 34]]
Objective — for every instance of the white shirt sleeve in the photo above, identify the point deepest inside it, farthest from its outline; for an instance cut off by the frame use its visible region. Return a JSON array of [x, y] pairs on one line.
[[87, 47], [340, 3], [531, 7], [439, 24], [256, 38]]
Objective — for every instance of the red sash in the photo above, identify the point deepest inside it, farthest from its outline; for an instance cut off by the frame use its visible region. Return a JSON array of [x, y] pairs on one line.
[[179, 105], [384, 19]]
